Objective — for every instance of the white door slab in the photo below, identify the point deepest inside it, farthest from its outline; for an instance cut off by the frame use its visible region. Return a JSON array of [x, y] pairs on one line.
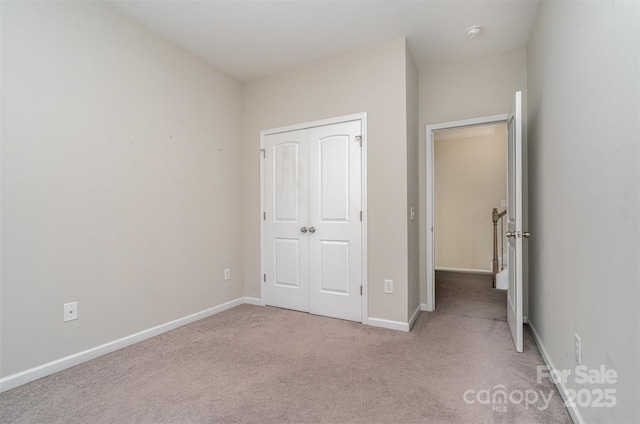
[[285, 247], [335, 199], [514, 221]]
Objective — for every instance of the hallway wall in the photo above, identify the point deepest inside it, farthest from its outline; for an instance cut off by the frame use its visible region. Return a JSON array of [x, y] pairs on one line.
[[470, 179]]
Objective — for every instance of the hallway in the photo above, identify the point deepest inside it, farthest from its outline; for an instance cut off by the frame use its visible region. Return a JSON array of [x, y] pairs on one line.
[[470, 295]]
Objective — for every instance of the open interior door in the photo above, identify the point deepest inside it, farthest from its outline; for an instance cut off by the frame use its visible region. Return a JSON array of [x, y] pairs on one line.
[[514, 220]]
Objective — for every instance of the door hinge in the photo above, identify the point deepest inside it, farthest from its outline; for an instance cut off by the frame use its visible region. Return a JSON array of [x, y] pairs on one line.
[[264, 153], [360, 215], [360, 290], [359, 139], [264, 278], [264, 216]]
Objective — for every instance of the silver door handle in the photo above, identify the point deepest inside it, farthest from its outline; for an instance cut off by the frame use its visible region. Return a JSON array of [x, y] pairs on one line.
[[526, 234], [312, 229], [510, 234], [303, 229]]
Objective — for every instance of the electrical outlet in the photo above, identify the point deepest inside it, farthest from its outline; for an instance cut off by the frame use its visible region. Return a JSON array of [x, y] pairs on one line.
[[413, 213], [388, 286], [578, 349], [70, 311], [227, 274]]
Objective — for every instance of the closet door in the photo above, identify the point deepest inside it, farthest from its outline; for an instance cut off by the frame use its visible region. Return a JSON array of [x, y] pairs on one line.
[[335, 235], [285, 246], [312, 229]]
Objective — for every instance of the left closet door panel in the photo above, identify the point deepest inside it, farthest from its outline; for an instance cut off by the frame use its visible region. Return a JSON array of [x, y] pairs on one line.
[[285, 245]]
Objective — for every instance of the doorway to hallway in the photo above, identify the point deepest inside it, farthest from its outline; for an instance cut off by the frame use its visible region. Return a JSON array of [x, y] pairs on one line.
[[470, 180], [470, 295], [515, 216]]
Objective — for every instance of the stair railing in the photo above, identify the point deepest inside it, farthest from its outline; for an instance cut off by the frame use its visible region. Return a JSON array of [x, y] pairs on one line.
[[495, 217]]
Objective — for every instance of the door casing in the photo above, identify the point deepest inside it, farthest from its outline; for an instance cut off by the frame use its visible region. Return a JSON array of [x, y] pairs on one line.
[[306, 125], [430, 189]]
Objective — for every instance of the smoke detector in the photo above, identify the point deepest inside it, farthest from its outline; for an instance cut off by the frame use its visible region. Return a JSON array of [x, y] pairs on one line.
[[474, 31]]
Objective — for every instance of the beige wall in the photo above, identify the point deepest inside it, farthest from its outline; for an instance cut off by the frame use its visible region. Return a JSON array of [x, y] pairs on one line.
[[463, 90], [118, 150], [584, 116], [370, 80], [470, 180], [413, 142]]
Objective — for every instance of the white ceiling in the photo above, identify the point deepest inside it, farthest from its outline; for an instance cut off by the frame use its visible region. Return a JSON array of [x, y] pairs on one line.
[[250, 39]]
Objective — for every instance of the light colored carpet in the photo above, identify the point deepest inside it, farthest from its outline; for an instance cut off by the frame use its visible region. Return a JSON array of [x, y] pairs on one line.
[[470, 295], [256, 364]]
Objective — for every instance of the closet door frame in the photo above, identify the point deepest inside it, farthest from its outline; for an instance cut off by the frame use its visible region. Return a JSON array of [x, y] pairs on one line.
[[362, 117]]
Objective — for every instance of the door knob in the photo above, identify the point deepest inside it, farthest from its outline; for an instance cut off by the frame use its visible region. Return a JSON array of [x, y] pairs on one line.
[[312, 229], [526, 234], [510, 234], [303, 229]]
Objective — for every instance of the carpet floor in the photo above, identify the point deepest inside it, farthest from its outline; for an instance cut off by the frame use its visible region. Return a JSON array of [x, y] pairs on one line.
[[255, 364], [470, 295]]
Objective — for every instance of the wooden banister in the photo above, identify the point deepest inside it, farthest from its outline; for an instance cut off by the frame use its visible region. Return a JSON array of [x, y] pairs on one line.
[[495, 217]]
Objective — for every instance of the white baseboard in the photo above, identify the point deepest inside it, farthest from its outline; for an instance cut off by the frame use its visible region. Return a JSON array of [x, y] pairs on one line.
[[414, 317], [253, 301], [464, 270], [573, 410], [23, 377], [386, 323], [423, 306]]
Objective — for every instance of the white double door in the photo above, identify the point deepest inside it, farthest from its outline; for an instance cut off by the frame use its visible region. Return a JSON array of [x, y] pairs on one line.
[[312, 232]]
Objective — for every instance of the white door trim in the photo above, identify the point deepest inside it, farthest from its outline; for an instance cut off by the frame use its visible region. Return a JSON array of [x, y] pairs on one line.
[[306, 125], [429, 251]]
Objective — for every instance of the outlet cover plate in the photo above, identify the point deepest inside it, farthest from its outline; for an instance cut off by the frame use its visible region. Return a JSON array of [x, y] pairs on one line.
[[70, 311], [227, 274], [388, 286]]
